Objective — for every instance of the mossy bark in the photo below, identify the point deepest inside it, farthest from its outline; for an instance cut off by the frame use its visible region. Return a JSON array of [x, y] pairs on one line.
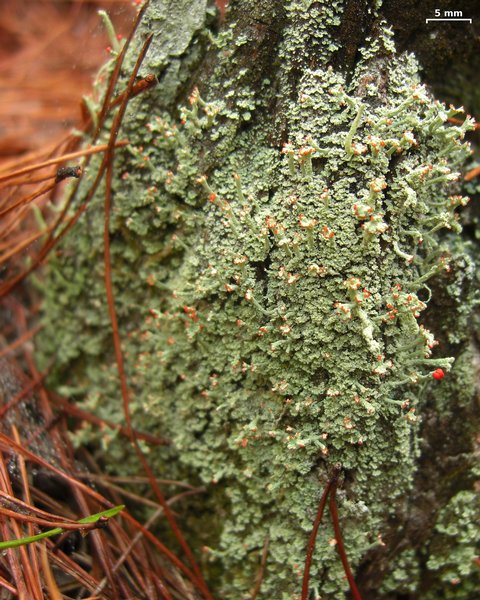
[[289, 273]]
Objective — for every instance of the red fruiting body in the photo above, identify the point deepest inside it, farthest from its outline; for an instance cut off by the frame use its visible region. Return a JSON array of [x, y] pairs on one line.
[[438, 374]]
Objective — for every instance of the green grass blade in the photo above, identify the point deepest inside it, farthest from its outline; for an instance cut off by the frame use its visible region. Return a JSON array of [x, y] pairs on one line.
[[111, 512]]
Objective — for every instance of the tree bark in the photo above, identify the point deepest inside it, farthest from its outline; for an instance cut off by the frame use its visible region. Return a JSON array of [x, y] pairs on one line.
[[294, 294]]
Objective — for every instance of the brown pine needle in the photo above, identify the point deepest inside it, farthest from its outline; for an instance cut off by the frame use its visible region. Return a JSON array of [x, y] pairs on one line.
[[24, 244], [51, 584], [59, 159], [472, 174]]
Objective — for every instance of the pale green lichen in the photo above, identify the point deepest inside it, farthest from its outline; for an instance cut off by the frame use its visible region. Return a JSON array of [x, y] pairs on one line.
[[454, 551], [269, 296]]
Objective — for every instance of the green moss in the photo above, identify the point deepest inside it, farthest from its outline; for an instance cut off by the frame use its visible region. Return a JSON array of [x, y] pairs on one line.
[[269, 295]]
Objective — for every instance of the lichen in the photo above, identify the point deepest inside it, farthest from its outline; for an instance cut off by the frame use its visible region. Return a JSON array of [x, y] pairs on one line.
[[271, 295], [454, 549]]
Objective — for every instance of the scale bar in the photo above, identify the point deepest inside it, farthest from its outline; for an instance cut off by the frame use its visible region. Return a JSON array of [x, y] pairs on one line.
[[429, 20]]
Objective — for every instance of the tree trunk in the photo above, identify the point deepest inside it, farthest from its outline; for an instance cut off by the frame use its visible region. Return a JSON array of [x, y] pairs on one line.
[[294, 295]]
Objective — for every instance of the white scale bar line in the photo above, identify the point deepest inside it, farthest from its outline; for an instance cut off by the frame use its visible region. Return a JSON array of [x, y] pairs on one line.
[[428, 20]]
